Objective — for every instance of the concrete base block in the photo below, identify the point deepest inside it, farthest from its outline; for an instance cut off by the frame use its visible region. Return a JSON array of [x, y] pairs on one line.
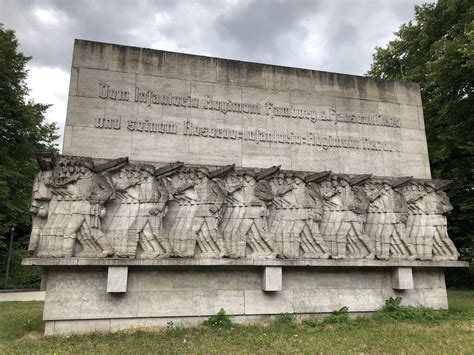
[[79, 300], [117, 279], [272, 279], [402, 278]]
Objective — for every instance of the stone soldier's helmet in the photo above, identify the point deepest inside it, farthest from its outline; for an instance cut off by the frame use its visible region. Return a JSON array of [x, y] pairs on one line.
[[295, 175], [222, 172], [401, 182], [359, 179], [203, 170], [85, 162], [249, 172], [317, 177], [344, 177], [148, 168], [267, 173], [299, 175], [386, 182], [430, 184]]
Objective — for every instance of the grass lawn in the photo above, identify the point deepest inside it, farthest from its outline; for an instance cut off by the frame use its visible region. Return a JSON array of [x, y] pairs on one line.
[[431, 332]]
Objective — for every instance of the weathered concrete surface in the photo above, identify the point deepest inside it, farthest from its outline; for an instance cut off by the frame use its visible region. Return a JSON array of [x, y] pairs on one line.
[[241, 262], [116, 92], [77, 299]]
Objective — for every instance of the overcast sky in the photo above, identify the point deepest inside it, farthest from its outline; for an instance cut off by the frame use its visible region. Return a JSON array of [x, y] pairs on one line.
[[329, 35]]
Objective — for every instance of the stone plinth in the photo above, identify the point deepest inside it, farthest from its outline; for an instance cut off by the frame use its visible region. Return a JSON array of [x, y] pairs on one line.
[[77, 299]]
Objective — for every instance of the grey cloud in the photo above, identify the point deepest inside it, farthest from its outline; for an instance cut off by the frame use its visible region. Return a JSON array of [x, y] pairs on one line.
[[260, 27], [256, 30], [107, 21]]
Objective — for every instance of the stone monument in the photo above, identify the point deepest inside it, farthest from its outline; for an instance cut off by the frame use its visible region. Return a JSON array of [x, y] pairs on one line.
[[189, 184]]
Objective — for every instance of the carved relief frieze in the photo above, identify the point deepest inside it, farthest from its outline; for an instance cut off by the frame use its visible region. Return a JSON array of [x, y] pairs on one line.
[[88, 209]]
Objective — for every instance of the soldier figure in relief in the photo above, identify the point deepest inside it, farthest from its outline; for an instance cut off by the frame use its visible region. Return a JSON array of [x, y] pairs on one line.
[[232, 217], [83, 195], [359, 243], [205, 221], [147, 227], [374, 221], [405, 247], [39, 209], [416, 221], [126, 196], [392, 241], [278, 218], [253, 228], [302, 217], [351, 228], [436, 205], [185, 196], [332, 214]]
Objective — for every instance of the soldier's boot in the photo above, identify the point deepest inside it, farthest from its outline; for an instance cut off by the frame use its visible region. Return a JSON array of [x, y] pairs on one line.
[[453, 252], [286, 246], [104, 244], [427, 251], [34, 241], [332, 249], [272, 250], [370, 250], [156, 248], [384, 248], [411, 250], [131, 245], [166, 245], [295, 246], [67, 247], [239, 245], [216, 236], [322, 245], [191, 240], [341, 250]]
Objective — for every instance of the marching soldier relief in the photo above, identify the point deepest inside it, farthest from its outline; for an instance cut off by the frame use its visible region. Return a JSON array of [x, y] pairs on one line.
[[234, 213], [190, 184]]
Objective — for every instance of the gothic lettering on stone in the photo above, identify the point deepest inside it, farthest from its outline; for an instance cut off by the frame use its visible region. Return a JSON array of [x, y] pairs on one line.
[[266, 109], [95, 209], [247, 134]]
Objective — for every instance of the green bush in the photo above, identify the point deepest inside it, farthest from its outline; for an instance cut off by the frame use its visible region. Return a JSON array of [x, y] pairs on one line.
[[220, 320], [340, 316], [312, 322], [392, 304], [175, 330], [394, 311], [286, 319]]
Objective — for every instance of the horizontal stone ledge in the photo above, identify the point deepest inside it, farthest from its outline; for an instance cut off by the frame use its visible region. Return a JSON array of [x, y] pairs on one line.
[[240, 262]]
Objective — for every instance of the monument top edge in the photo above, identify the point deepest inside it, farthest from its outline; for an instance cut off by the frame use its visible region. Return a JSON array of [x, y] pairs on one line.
[[411, 84]]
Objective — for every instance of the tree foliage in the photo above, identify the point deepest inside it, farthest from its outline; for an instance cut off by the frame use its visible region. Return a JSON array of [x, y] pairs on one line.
[[436, 50], [23, 132]]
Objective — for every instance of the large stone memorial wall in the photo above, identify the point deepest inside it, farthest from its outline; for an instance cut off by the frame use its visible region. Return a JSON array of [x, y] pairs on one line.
[[190, 184], [166, 107]]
